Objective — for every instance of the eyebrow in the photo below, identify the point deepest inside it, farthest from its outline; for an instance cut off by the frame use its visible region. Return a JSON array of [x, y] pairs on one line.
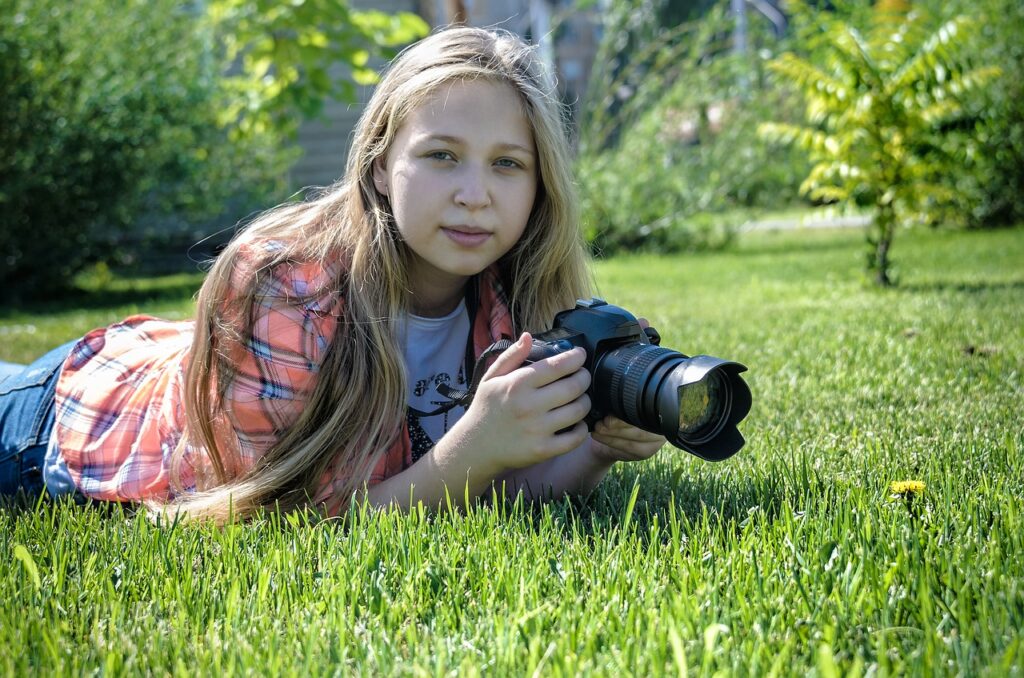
[[448, 139]]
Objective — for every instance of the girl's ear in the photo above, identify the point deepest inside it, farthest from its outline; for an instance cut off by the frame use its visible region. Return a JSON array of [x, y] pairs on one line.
[[380, 175]]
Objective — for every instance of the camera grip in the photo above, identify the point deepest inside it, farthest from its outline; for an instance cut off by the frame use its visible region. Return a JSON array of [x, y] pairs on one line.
[[546, 349]]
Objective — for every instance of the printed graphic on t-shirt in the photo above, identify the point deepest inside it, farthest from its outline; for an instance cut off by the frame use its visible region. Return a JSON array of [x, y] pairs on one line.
[[438, 424]]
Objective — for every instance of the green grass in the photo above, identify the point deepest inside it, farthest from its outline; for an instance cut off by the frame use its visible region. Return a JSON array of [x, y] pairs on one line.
[[788, 559]]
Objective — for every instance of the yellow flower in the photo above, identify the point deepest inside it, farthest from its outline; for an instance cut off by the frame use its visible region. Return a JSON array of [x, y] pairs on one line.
[[906, 488]]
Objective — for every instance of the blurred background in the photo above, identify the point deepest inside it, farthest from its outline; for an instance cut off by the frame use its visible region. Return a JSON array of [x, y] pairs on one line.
[[137, 135]]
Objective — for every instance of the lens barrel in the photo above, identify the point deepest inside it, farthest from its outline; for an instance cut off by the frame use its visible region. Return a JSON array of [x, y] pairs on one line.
[[629, 371], [694, 402]]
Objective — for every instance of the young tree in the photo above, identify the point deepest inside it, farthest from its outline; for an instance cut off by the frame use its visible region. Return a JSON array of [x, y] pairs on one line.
[[876, 104], [283, 58]]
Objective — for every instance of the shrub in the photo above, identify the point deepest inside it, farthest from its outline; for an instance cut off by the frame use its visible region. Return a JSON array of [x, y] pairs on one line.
[[989, 140], [284, 56], [107, 112], [668, 140]]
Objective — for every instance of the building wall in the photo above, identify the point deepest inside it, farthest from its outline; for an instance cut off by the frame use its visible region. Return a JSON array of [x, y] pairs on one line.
[[325, 141]]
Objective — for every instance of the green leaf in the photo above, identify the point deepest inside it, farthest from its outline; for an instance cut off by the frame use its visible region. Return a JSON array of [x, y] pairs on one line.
[[365, 76]]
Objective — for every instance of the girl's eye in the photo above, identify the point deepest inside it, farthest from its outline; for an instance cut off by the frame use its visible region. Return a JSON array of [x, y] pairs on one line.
[[441, 155], [509, 163]]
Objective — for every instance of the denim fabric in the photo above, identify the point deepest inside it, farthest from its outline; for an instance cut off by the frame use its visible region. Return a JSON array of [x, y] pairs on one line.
[[9, 370], [26, 420]]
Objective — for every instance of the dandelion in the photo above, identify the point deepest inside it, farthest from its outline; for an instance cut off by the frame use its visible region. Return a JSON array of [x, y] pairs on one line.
[[906, 488], [908, 491]]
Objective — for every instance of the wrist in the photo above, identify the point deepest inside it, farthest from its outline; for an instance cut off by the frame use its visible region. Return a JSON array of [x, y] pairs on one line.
[[458, 454], [599, 456]]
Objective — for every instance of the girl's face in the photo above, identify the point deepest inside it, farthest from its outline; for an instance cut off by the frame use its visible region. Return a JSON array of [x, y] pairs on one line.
[[461, 177]]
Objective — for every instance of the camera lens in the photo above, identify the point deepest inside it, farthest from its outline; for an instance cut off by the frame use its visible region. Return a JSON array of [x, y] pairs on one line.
[[701, 403], [694, 402]]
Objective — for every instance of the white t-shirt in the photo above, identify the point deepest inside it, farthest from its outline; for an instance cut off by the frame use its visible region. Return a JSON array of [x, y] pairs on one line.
[[435, 353]]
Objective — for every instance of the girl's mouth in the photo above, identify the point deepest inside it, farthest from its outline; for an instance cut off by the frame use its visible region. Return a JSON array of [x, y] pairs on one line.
[[468, 237]]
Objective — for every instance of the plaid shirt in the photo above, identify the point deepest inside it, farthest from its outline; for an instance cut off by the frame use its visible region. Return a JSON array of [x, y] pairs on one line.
[[119, 401]]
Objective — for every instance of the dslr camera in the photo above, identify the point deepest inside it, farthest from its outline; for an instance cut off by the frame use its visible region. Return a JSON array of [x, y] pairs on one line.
[[695, 402]]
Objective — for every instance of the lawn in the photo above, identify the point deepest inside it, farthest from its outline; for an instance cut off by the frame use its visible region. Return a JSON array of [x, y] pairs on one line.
[[794, 556]]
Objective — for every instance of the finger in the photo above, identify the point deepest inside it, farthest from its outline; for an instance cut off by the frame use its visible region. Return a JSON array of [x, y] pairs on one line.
[[611, 423], [614, 425], [563, 391], [511, 358], [644, 324], [615, 428], [628, 449], [645, 442], [641, 437], [556, 367], [568, 415], [570, 439]]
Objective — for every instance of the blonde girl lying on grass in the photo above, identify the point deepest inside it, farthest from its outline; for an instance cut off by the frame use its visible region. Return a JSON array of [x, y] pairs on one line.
[[309, 376]]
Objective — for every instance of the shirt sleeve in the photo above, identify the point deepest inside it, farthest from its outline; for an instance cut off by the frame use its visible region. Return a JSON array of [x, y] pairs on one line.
[[294, 317]]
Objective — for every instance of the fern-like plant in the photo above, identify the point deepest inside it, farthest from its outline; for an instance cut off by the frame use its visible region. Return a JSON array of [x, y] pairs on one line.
[[876, 104]]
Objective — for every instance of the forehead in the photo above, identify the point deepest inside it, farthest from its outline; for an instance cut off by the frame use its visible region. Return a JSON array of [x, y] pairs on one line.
[[479, 106]]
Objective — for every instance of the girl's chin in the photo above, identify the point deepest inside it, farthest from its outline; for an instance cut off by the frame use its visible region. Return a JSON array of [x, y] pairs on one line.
[[450, 270], [447, 276]]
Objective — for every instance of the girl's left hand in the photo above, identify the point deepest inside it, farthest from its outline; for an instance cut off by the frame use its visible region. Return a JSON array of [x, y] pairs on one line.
[[615, 440]]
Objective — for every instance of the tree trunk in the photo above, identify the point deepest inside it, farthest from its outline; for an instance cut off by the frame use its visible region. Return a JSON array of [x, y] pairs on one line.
[[456, 12], [885, 226]]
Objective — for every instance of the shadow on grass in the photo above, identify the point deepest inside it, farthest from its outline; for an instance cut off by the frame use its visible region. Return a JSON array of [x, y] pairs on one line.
[[727, 499], [973, 287], [21, 505], [699, 500], [178, 288], [702, 501]]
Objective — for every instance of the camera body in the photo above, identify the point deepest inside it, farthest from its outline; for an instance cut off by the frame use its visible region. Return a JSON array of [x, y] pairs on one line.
[[694, 402], [596, 326]]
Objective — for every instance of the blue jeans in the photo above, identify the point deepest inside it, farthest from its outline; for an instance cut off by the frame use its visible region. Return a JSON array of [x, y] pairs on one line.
[[26, 420]]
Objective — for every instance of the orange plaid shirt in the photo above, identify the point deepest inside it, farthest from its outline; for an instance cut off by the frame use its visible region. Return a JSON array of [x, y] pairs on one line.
[[119, 401]]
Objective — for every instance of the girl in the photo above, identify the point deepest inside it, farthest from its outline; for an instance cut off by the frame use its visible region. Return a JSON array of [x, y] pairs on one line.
[[310, 375]]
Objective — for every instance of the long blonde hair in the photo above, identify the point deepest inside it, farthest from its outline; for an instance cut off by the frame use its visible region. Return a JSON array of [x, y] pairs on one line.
[[357, 407]]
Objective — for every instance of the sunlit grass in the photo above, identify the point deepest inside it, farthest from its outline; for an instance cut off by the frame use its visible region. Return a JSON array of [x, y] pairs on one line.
[[795, 556]]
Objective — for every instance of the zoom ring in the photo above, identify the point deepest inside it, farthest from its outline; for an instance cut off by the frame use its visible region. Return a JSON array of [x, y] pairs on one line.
[[633, 382]]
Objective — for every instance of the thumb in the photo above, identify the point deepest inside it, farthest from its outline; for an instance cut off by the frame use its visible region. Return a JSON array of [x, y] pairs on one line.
[[511, 358]]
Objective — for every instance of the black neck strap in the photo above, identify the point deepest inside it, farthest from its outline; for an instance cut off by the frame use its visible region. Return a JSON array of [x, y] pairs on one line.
[[474, 367]]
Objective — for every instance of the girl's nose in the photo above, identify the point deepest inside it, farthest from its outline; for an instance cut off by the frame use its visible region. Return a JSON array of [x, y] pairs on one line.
[[472, 191]]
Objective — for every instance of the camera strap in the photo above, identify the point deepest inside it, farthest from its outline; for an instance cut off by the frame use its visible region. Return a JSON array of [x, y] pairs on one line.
[[463, 397]]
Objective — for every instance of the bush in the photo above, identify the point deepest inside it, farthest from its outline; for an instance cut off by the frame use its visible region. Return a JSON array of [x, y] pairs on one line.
[[982, 146], [992, 134], [668, 140], [108, 111]]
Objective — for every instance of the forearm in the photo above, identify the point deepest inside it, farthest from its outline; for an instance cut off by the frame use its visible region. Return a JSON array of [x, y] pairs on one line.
[[576, 473], [445, 471]]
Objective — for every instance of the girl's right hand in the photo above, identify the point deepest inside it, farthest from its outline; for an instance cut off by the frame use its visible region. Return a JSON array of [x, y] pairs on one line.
[[525, 414]]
